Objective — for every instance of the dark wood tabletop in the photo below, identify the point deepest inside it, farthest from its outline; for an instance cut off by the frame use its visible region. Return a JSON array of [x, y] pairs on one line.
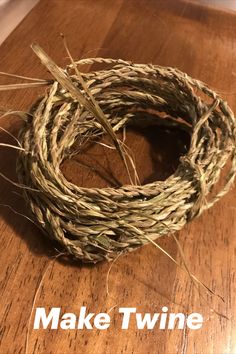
[[199, 40]]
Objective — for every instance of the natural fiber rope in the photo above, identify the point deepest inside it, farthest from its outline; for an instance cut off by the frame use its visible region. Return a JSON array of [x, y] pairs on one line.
[[95, 224]]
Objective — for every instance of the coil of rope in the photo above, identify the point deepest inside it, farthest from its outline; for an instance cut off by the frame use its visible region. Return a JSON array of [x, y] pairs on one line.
[[94, 224]]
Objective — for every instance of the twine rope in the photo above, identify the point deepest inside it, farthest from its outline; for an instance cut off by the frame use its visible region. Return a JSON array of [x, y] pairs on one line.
[[95, 224]]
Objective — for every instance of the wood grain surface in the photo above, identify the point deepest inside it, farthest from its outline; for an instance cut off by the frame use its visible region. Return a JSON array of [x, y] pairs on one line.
[[198, 40], [11, 13]]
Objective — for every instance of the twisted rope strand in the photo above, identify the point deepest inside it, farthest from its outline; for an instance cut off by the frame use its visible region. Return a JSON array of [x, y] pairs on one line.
[[95, 224]]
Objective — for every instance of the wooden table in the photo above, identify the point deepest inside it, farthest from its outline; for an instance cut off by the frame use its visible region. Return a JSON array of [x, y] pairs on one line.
[[198, 40], [11, 14]]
